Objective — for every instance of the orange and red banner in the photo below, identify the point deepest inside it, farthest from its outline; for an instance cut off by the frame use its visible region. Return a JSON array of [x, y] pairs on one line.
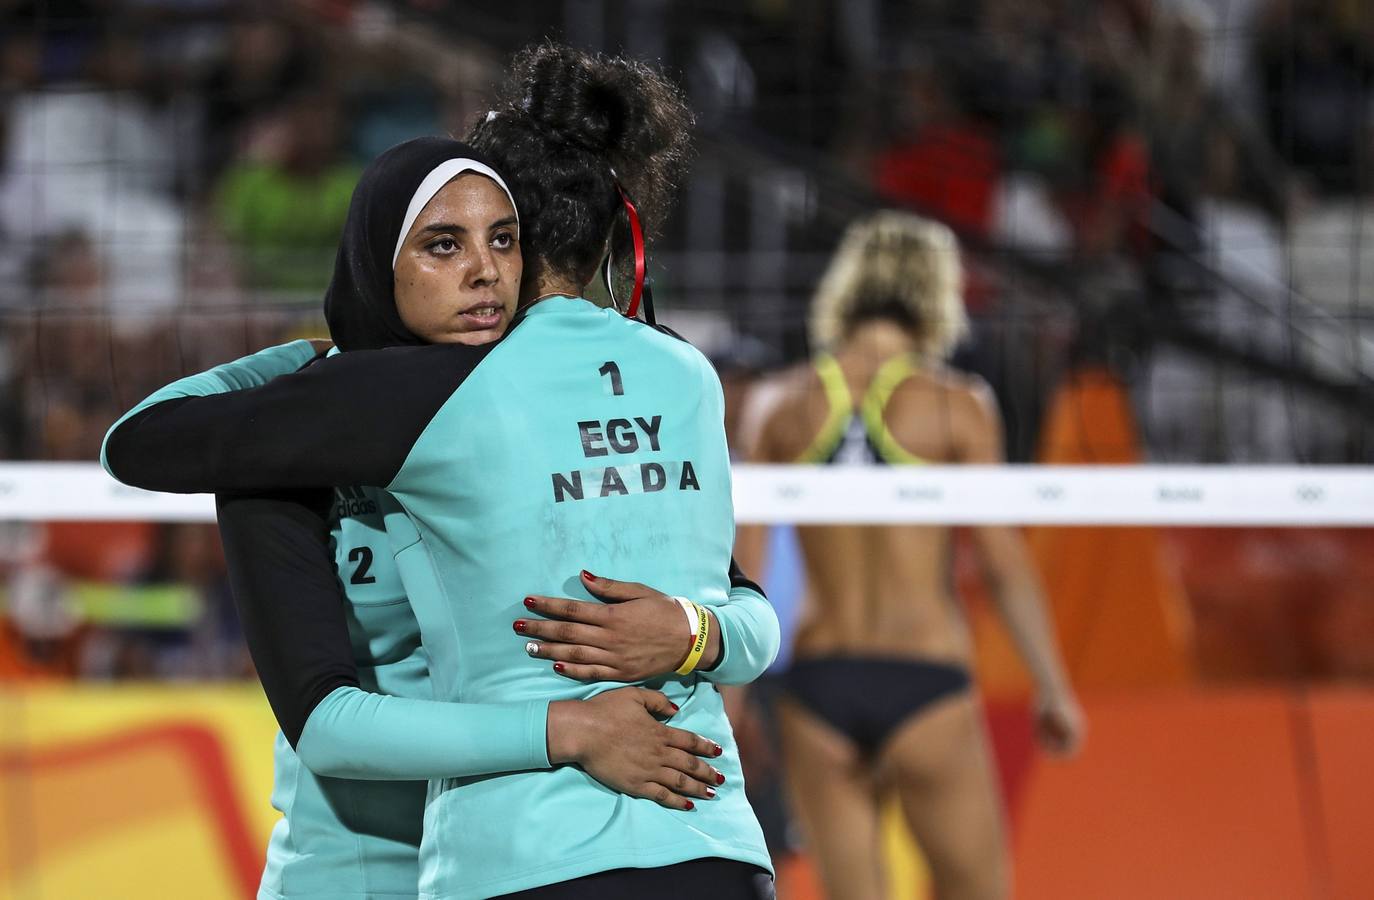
[[136, 792]]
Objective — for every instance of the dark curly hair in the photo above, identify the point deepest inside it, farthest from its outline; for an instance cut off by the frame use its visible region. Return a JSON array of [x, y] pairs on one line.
[[566, 120]]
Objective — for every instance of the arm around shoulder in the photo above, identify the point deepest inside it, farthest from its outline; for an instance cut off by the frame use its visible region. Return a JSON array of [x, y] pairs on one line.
[[349, 419], [250, 371]]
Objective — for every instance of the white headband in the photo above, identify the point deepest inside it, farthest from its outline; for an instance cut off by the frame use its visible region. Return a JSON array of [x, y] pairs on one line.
[[434, 182]]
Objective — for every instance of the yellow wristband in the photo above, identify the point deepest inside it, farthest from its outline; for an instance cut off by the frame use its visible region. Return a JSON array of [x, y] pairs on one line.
[[698, 645]]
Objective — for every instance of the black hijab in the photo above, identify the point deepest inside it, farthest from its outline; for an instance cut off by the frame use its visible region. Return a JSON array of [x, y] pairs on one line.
[[360, 304]]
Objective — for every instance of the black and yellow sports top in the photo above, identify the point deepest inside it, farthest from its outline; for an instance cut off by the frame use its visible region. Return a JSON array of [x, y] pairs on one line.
[[860, 436]]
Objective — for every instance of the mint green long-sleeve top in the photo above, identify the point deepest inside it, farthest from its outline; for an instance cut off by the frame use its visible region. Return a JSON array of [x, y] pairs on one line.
[[340, 836]]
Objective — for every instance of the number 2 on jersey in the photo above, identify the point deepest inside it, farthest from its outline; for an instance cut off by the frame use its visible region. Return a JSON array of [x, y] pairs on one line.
[[611, 369], [362, 556]]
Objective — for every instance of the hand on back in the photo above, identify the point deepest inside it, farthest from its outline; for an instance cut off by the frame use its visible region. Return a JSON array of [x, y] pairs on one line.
[[617, 738], [638, 633]]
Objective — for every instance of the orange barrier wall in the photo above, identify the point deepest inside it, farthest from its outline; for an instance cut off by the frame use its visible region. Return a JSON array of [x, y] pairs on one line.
[[1268, 793], [1263, 794], [1254, 794], [1142, 637]]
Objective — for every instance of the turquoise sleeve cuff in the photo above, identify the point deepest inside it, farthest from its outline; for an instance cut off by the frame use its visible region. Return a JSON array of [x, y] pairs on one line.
[[251, 371], [353, 733], [537, 734], [750, 637], [259, 368]]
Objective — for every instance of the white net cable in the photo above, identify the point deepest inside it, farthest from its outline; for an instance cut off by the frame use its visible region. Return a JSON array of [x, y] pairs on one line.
[[809, 495]]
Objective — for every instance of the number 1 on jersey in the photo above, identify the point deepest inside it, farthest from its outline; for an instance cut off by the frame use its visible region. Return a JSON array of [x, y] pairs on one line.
[[611, 369]]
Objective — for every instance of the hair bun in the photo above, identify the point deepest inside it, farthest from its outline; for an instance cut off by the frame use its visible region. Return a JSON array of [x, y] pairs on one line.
[[565, 121], [586, 100]]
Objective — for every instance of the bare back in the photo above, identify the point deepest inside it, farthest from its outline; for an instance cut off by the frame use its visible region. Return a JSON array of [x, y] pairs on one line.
[[879, 590]]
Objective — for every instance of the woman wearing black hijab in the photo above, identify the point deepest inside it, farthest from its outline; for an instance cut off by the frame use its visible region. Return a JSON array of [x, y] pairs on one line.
[[341, 837], [377, 296]]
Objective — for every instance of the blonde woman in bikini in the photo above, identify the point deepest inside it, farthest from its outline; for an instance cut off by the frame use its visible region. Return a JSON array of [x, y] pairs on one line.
[[879, 696]]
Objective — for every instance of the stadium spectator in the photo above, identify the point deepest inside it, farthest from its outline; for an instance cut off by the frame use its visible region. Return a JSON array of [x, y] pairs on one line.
[[1104, 192], [944, 162], [1316, 58], [265, 58], [97, 152], [284, 204]]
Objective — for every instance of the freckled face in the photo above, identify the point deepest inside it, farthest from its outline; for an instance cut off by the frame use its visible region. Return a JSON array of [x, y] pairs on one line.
[[458, 274]]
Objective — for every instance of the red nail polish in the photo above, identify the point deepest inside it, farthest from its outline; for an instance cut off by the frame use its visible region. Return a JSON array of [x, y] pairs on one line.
[[673, 705], [558, 667], [719, 750], [521, 625], [711, 793], [529, 603], [691, 806], [720, 778], [588, 575]]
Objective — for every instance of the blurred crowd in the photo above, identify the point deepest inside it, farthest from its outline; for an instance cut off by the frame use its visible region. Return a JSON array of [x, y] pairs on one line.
[[173, 180], [174, 175]]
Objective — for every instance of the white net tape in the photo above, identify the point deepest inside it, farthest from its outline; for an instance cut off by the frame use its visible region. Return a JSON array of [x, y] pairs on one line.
[[946, 495]]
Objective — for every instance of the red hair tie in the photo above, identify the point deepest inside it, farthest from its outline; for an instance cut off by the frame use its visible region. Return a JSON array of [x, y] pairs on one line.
[[637, 237]]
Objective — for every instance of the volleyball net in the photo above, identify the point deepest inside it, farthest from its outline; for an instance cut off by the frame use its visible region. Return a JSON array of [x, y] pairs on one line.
[[1100, 495]]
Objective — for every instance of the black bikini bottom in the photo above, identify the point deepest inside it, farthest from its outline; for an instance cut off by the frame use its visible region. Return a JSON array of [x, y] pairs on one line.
[[699, 879], [865, 698]]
